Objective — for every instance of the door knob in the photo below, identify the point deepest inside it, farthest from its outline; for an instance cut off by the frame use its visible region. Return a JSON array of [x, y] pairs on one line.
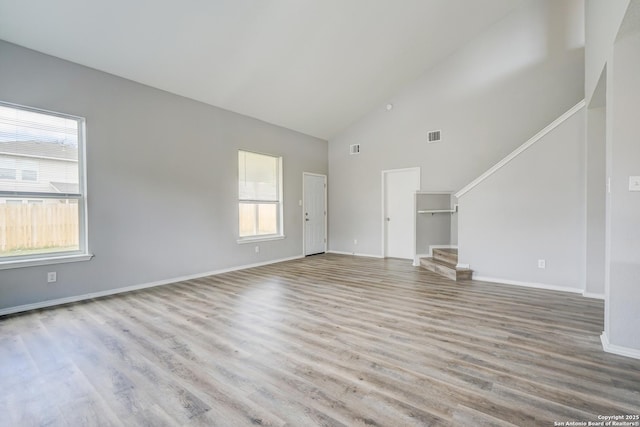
[[388, 219]]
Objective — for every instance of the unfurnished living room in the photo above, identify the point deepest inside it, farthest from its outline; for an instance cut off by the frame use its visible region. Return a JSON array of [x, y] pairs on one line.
[[320, 212]]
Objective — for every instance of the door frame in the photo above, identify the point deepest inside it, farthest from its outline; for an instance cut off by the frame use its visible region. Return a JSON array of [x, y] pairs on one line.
[[326, 213], [383, 214]]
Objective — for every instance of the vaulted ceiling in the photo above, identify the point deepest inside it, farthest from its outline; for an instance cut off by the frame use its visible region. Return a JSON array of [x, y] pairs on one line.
[[314, 66]]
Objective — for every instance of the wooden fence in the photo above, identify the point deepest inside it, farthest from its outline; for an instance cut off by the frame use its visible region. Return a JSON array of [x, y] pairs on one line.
[[38, 226]]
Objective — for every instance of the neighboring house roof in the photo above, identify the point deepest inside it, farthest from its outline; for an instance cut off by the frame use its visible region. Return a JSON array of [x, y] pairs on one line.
[[39, 149], [66, 187]]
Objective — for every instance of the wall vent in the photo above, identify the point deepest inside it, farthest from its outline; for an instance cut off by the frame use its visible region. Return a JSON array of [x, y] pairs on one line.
[[433, 136], [354, 149]]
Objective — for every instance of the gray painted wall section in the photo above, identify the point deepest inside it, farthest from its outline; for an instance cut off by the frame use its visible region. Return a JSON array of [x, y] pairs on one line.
[[162, 179], [432, 229], [596, 201], [623, 294], [488, 98], [602, 21], [532, 208]]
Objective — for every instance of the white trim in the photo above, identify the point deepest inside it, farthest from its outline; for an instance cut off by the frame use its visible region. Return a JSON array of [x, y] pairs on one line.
[[279, 202], [255, 239], [33, 262], [522, 148], [82, 254], [464, 266], [593, 295], [326, 213], [617, 349], [527, 284], [422, 192], [355, 254], [76, 298]]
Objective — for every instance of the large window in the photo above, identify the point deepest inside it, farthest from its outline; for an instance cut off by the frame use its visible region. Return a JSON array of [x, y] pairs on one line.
[[42, 194], [259, 196]]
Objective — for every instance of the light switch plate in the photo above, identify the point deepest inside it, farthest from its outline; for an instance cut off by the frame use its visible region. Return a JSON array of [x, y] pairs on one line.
[[634, 183]]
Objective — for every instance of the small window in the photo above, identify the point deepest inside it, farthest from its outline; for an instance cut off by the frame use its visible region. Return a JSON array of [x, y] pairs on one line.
[[28, 170], [259, 196], [8, 168], [41, 162]]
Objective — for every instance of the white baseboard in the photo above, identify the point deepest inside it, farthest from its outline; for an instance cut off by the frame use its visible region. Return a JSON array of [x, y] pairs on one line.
[[76, 298], [354, 254], [617, 349], [592, 295], [528, 284]]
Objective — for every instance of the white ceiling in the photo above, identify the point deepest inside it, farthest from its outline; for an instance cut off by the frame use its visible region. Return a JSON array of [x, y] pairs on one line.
[[314, 66]]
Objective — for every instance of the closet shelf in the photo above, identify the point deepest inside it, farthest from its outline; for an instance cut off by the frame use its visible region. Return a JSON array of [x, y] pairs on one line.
[[435, 211]]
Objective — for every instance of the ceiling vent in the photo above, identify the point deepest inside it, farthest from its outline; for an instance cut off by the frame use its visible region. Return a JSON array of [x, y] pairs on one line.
[[354, 149], [433, 136]]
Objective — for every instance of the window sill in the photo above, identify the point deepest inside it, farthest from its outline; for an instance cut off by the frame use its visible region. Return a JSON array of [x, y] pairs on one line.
[[260, 239], [5, 265]]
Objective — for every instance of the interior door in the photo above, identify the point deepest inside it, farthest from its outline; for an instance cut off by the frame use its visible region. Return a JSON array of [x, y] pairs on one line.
[[399, 187], [315, 213]]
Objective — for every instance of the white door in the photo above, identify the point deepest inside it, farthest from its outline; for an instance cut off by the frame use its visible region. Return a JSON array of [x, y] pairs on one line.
[[315, 213], [399, 188]]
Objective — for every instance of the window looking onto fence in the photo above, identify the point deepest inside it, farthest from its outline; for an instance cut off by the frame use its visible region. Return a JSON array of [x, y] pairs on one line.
[[260, 195], [42, 195]]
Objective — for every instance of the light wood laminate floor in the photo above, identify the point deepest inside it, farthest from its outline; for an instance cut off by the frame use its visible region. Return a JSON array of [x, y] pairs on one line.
[[326, 340]]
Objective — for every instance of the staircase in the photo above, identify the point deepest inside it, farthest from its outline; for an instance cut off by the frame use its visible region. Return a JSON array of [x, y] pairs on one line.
[[444, 262]]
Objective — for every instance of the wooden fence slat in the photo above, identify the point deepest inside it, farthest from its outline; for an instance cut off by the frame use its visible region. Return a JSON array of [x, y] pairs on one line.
[[38, 226]]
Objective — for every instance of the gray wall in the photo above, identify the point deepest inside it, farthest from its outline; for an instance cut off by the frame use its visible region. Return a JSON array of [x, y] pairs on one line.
[[623, 293], [602, 20], [432, 229], [532, 208], [488, 98], [162, 179], [596, 199], [612, 66]]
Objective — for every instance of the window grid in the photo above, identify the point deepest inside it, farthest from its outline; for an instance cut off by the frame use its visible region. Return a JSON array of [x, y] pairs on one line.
[[42, 184], [259, 196]]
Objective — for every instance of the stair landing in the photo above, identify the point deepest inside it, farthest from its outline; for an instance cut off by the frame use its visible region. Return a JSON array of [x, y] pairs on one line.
[[444, 262]]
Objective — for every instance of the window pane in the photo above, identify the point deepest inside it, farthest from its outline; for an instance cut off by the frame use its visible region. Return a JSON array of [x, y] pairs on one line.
[[247, 219], [29, 170], [258, 176], [258, 219], [267, 219], [39, 152], [6, 173], [29, 175], [38, 226]]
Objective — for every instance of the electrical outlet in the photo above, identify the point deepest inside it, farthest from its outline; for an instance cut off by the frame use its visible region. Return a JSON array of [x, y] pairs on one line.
[[52, 277], [542, 263], [257, 249], [355, 241], [634, 183]]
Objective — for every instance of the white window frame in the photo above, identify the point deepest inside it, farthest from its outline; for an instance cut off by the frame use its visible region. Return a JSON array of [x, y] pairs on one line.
[[279, 202], [82, 254]]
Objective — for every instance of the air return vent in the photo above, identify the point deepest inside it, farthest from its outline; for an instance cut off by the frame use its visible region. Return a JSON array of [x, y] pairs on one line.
[[354, 149], [433, 136]]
